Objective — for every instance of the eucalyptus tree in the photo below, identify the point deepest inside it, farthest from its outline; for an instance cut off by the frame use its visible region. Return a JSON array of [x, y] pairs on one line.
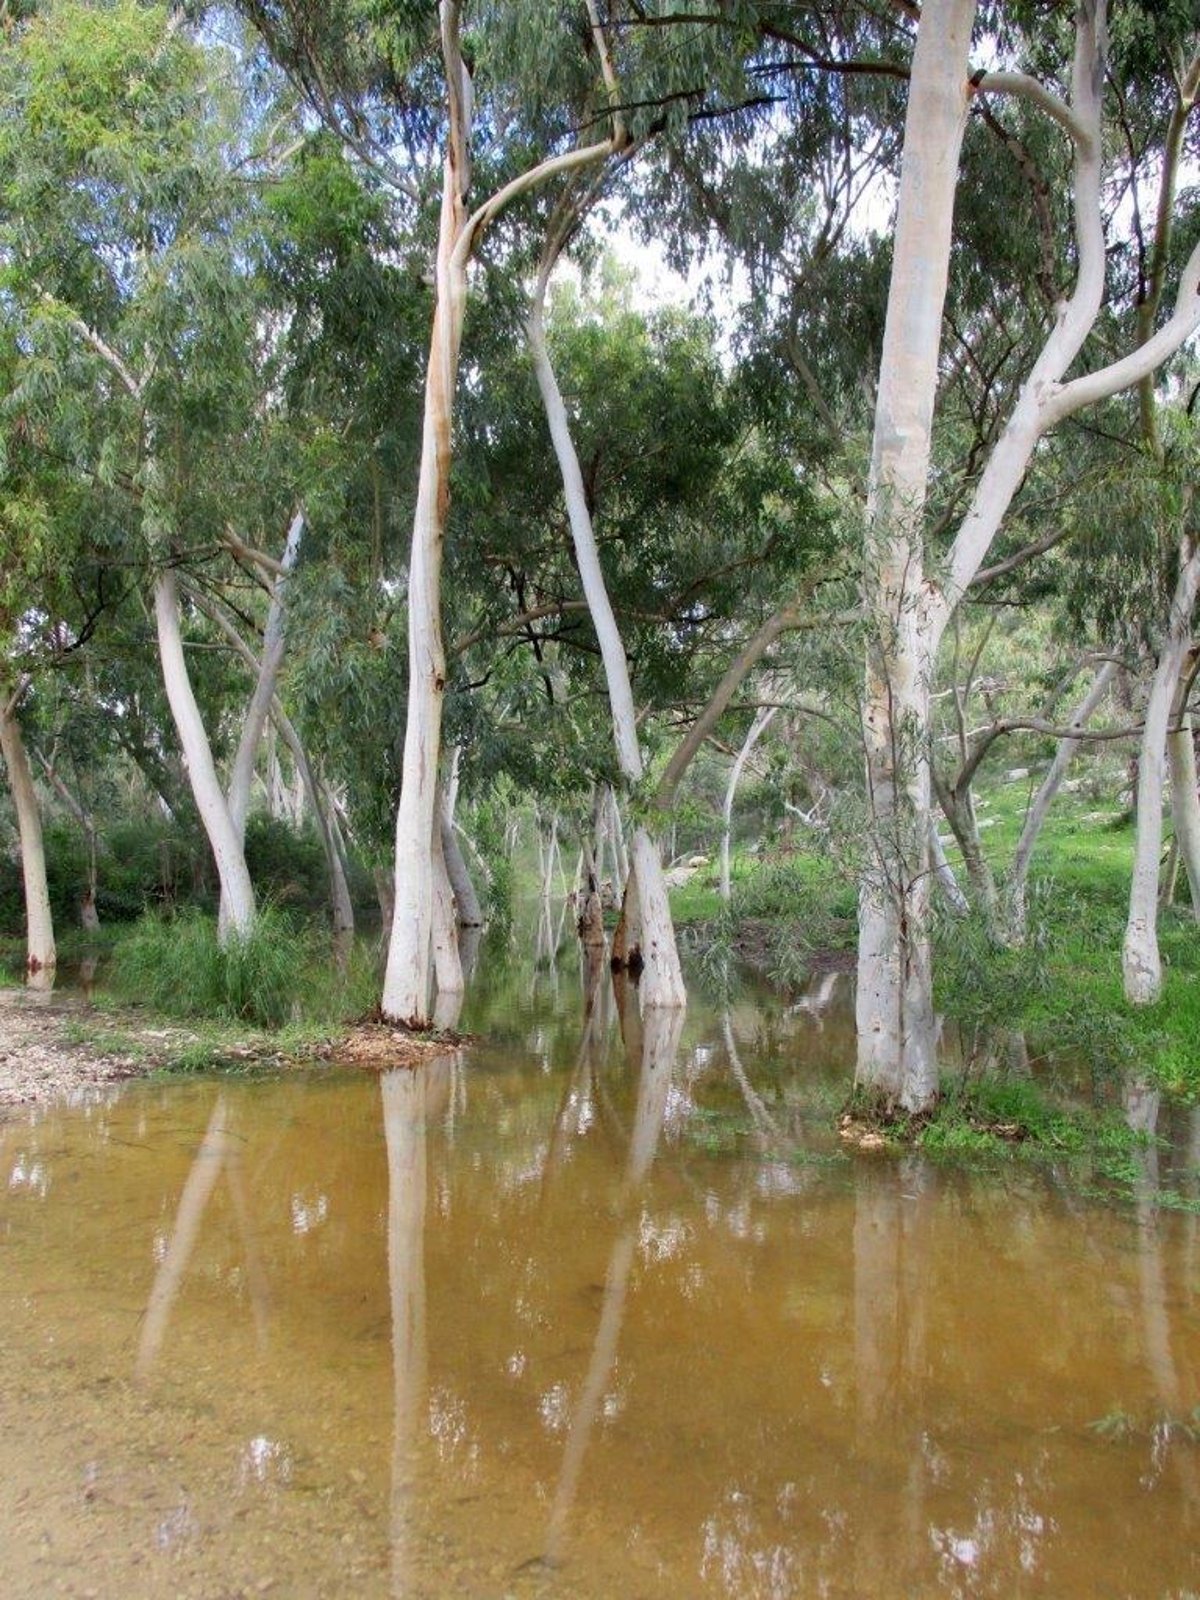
[[129, 167], [909, 609]]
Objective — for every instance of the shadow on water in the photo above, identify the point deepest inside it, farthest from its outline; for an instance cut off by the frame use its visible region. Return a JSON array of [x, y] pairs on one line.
[[594, 1305]]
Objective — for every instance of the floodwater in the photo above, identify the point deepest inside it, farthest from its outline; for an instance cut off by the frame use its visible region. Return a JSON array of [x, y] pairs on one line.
[[587, 1308]]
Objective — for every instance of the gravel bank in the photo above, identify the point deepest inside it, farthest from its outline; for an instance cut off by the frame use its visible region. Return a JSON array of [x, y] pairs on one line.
[[40, 1058]]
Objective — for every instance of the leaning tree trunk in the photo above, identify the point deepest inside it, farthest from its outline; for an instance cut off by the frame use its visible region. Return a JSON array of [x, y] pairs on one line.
[[759, 726], [237, 894], [40, 954], [958, 807], [1141, 964], [1185, 803], [241, 775], [662, 977], [1016, 885], [896, 1035]]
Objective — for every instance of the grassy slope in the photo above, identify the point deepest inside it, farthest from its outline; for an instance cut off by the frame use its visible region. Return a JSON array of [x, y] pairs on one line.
[[1064, 989]]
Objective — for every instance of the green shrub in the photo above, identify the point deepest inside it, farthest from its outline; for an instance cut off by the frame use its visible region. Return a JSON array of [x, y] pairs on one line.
[[176, 965], [817, 902]]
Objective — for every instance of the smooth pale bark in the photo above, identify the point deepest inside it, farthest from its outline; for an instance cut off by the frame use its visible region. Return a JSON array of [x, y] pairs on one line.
[[41, 956], [237, 894], [406, 978], [447, 965], [1018, 875], [466, 901], [758, 726], [943, 873], [241, 775], [894, 971], [659, 1044], [406, 986], [662, 977], [1185, 803], [1141, 964], [201, 1181], [897, 1057], [341, 904]]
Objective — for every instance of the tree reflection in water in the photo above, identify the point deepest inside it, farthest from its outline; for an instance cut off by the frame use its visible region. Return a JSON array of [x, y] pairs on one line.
[[412, 1096], [220, 1152], [657, 1033]]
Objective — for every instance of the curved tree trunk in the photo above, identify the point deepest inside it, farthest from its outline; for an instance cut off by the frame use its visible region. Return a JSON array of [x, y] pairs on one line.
[[897, 1057], [943, 873], [759, 726], [406, 978], [237, 894], [40, 954], [1140, 962], [662, 977]]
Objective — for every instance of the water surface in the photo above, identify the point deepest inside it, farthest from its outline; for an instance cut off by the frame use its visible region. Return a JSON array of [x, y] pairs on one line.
[[586, 1309]]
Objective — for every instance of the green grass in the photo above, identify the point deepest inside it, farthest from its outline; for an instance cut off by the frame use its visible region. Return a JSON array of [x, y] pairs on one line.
[[278, 974], [1064, 989]]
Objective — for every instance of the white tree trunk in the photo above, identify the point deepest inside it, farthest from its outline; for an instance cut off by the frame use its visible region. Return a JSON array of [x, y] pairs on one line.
[[406, 987], [662, 977], [896, 1034], [470, 912], [1140, 962], [241, 774], [237, 894], [1185, 803], [40, 954], [447, 964], [943, 873], [759, 725], [1018, 876]]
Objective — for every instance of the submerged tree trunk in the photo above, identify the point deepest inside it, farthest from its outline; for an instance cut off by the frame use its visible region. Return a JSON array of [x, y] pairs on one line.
[[237, 894], [895, 1020], [1140, 962], [40, 954], [662, 977], [406, 987]]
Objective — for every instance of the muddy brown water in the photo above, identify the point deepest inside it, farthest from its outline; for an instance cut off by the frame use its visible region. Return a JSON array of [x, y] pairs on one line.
[[581, 1310]]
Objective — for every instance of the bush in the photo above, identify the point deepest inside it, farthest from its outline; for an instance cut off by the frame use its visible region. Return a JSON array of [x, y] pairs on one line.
[[809, 894], [176, 965]]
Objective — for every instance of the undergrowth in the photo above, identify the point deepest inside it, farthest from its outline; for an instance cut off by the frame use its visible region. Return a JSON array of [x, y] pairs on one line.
[[273, 975]]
